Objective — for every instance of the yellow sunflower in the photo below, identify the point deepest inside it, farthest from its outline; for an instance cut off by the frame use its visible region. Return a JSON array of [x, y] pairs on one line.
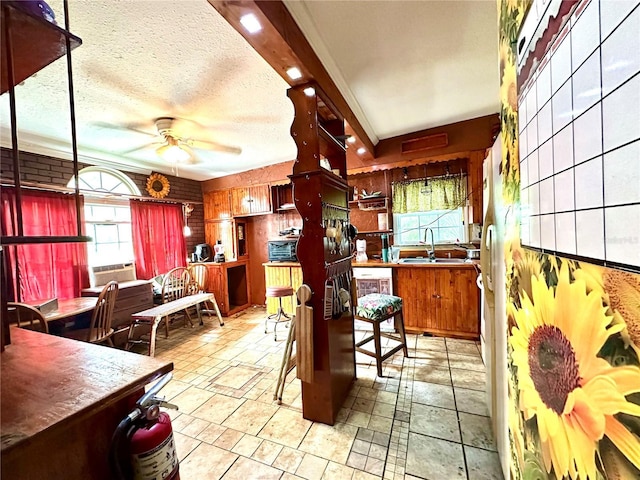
[[572, 393], [508, 86]]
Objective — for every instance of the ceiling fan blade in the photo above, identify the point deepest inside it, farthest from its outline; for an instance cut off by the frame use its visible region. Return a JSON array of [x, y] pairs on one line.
[[213, 146], [127, 128]]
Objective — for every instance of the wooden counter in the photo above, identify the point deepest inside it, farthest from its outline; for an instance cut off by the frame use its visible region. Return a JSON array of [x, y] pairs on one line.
[[283, 274], [229, 282], [61, 401]]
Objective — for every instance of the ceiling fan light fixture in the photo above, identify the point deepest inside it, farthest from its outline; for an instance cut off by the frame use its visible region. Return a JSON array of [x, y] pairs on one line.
[[250, 23], [172, 152]]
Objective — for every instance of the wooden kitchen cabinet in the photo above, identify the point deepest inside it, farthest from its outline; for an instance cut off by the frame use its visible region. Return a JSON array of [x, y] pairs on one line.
[[223, 230], [254, 200], [217, 205], [440, 301], [229, 282], [282, 274]]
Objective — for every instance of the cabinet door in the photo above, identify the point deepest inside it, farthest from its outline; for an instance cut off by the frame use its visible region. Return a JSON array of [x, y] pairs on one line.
[[216, 285], [277, 277], [240, 201], [221, 230], [217, 205], [260, 199]]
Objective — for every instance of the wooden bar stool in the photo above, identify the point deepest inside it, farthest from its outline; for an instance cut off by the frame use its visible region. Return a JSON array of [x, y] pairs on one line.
[[280, 316], [375, 308]]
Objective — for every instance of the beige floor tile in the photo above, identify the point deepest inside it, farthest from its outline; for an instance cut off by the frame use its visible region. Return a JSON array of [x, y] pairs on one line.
[[363, 405], [466, 362], [360, 475], [482, 464], [206, 463], [194, 428], [228, 439], [430, 374], [387, 397], [435, 422], [288, 459], [476, 431], [358, 419], [330, 442], [218, 408], [468, 379], [245, 468], [312, 467], [289, 476], [471, 401], [181, 421], [191, 399], [433, 394], [430, 343], [286, 427], [267, 452], [335, 471], [247, 445], [211, 433], [250, 417], [442, 459], [384, 409], [380, 424], [184, 444], [368, 393], [235, 377]]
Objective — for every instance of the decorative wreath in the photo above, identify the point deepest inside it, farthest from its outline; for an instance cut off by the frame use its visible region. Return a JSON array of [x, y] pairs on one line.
[[158, 185]]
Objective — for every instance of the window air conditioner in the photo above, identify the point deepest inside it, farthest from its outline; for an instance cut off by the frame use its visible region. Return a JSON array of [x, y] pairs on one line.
[[121, 272]]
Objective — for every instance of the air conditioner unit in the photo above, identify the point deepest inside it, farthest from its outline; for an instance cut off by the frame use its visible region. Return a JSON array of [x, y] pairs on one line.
[[120, 272]]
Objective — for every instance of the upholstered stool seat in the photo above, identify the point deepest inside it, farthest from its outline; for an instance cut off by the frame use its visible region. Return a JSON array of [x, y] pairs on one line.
[[375, 308], [280, 316]]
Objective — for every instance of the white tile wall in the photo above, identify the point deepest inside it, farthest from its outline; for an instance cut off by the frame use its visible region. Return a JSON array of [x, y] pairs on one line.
[[580, 178], [545, 160], [564, 192], [621, 114], [586, 84], [612, 12], [620, 59], [563, 149], [588, 177], [562, 109], [585, 34], [622, 175], [587, 135], [623, 243], [546, 196], [547, 232], [590, 233], [566, 232], [560, 65]]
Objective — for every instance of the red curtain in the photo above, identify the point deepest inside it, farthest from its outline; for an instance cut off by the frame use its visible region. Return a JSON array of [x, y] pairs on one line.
[[47, 270], [158, 242]]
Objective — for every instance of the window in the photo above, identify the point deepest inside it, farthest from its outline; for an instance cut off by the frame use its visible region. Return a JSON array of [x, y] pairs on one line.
[[107, 220], [437, 203], [447, 226]]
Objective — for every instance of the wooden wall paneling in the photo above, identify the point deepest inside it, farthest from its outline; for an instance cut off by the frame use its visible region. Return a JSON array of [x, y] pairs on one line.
[[260, 199], [475, 183], [217, 205], [215, 230]]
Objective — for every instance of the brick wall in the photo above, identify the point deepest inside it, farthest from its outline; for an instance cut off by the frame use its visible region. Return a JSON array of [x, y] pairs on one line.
[[55, 171]]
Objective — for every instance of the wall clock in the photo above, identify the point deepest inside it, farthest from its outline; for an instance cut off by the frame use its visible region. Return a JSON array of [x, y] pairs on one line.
[[158, 185]]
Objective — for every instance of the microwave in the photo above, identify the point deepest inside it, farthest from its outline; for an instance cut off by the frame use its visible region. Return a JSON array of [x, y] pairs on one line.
[[282, 250]]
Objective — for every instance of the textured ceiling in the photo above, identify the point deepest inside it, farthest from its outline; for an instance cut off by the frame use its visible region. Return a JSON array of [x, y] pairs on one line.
[[402, 66]]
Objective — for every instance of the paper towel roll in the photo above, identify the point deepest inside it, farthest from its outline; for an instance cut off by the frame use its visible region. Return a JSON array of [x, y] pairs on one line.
[[383, 223]]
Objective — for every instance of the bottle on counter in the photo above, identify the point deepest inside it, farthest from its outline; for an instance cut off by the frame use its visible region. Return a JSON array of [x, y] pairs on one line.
[[385, 248]]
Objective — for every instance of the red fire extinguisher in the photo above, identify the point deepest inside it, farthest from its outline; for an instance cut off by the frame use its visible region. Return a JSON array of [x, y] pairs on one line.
[[143, 447]]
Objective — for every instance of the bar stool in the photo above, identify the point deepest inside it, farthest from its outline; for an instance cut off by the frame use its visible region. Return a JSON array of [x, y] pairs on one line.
[[375, 308], [280, 316]]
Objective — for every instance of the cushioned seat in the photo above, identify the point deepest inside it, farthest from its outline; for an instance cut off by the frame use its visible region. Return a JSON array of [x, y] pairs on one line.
[[374, 309]]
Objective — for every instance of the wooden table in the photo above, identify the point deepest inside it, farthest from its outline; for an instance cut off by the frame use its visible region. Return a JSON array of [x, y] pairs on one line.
[[61, 401], [70, 307], [153, 316]]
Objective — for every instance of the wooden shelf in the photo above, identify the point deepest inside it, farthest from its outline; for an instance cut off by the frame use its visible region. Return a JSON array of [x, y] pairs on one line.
[[376, 232], [369, 204], [35, 42]]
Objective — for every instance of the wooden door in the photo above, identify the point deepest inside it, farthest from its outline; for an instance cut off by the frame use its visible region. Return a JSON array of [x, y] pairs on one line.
[[216, 284], [217, 205]]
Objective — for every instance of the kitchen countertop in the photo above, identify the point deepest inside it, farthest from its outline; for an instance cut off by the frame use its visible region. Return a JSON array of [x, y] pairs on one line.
[[380, 263], [281, 264]]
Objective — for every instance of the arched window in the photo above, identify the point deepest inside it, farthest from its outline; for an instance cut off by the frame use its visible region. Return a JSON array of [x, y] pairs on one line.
[[107, 219]]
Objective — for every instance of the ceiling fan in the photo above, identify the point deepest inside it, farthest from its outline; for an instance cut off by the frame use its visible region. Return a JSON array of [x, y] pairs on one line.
[[178, 149]]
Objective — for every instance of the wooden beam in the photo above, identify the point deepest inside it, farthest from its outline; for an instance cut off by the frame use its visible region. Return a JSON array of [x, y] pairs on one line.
[[283, 45]]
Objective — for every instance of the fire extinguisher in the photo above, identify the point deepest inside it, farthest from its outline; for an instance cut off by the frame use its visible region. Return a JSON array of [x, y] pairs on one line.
[[142, 447]]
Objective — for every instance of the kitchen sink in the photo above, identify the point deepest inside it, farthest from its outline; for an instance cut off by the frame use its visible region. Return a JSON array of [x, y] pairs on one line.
[[418, 260]]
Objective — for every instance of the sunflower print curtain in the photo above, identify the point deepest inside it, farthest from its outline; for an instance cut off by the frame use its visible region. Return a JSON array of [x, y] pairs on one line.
[[445, 193]]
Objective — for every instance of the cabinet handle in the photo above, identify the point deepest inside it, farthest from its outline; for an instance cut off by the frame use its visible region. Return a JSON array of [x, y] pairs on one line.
[[435, 296]]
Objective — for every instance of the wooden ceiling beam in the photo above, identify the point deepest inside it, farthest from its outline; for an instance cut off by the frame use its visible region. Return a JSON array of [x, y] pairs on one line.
[[283, 45]]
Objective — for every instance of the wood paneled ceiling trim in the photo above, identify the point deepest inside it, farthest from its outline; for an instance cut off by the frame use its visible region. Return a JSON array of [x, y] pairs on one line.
[[282, 44]]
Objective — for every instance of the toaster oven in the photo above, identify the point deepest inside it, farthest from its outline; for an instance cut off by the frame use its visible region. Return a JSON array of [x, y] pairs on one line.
[[282, 250]]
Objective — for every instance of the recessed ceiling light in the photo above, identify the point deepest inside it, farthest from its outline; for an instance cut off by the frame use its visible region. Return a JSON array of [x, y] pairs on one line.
[[250, 23], [361, 150], [294, 73], [309, 91], [351, 139]]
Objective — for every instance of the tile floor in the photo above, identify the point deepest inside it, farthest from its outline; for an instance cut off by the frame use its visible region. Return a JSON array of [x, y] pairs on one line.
[[426, 418]]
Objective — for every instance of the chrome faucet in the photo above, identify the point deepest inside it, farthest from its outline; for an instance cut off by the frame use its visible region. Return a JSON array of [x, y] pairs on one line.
[[432, 252]]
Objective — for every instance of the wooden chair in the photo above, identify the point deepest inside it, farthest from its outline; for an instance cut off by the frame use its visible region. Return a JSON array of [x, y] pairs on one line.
[[100, 329], [21, 313], [199, 276], [176, 284]]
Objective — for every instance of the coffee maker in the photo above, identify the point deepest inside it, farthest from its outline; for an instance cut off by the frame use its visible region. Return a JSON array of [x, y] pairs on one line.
[[219, 249]]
